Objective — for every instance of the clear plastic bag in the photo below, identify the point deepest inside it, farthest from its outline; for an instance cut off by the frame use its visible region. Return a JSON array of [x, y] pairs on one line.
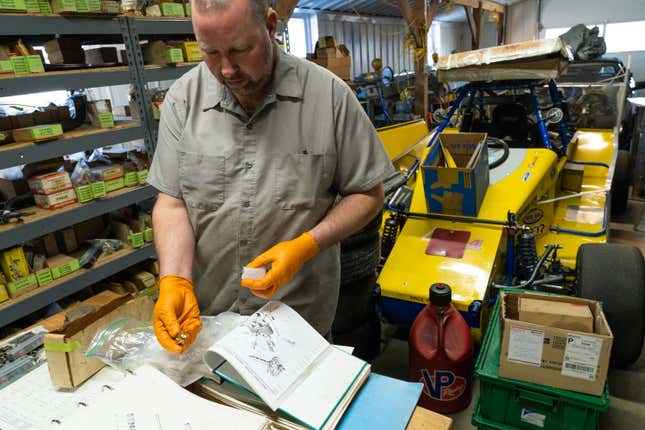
[[127, 344]]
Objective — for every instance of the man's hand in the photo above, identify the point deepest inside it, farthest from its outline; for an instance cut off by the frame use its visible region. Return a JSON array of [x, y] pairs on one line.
[[286, 259], [176, 312]]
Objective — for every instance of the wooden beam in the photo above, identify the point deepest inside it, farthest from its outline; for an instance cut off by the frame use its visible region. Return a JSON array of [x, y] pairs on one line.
[[493, 7], [467, 3], [501, 28], [285, 9], [474, 16]]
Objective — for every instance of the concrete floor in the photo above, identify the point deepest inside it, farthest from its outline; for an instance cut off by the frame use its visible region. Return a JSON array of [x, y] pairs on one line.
[[627, 387]]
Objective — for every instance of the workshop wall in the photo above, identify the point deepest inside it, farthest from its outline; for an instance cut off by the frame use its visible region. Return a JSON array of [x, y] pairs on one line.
[[368, 38]]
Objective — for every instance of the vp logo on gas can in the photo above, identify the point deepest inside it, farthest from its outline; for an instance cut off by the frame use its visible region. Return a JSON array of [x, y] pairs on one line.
[[442, 385]]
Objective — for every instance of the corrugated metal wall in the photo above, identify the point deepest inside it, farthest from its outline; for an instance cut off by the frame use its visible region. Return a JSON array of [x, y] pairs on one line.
[[368, 38]]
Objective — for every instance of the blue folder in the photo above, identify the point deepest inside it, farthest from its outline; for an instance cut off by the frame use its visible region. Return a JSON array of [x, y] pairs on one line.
[[383, 403]]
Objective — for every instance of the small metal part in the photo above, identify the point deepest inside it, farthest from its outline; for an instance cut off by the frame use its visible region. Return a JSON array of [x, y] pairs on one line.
[[181, 339]]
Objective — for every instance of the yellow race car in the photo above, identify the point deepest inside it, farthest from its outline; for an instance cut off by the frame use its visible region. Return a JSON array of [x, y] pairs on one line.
[[542, 223]]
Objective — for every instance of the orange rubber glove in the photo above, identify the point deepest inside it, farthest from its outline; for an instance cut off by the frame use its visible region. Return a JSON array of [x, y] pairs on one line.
[[286, 259], [176, 312]]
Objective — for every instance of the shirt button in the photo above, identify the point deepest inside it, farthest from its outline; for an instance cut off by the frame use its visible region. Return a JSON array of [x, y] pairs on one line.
[[248, 165], [249, 126], [246, 204]]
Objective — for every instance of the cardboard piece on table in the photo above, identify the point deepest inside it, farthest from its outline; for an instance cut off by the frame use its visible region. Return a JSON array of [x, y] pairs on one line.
[[568, 316]]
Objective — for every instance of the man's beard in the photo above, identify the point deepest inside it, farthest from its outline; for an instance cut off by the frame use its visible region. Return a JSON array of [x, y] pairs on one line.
[[255, 87]]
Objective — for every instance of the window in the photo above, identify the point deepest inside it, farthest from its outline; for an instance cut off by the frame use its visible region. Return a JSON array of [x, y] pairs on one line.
[[625, 36], [298, 37]]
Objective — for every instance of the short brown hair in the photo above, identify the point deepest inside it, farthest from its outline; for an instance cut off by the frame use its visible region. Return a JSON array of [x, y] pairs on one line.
[[258, 7]]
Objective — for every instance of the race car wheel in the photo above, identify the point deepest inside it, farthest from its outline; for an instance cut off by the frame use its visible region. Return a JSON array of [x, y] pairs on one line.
[[356, 302], [620, 183], [366, 338], [370, 231], [360, 262], [615, 275]]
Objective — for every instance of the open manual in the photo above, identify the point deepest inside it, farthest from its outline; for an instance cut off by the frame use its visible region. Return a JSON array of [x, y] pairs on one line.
[[279, 357]]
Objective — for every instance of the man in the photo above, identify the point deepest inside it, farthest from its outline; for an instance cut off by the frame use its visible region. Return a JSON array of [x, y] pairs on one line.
[[254, 148]]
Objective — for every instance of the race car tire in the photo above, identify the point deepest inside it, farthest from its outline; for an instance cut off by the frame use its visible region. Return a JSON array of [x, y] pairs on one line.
[[367, 233], [615, 275], [356, 302], [366, 339], [620, 183], [360, 262]]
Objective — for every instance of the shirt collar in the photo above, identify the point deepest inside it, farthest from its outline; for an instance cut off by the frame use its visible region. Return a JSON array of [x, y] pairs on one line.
[[286, 82]]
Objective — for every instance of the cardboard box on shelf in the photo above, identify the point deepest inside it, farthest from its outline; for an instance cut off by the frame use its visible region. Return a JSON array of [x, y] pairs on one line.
[[65, 346], [84, 193], [107, 172], [67, 240], [13, 6], [144, 280], [568, 316], [50, 183], [110, 7], [14, 264], [101, 56], [114, 184], [154, 52], [38, 133], [44, 277], [22, 286], [62, 265], [100, 113], [22, 121], [557, 357], [172, 9], [174, 55], [19, 65], [65, 50], [191, 51], [12, 188], [45, 6], [4, 295], [35, 64], [46, 245], [92, 228], [326, 42], [56, 200]]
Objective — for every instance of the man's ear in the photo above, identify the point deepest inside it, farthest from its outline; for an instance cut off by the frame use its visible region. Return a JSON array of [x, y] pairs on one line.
[[272, 22]]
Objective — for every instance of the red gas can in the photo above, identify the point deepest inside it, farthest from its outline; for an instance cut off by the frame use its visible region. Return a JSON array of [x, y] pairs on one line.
[[441, 354]]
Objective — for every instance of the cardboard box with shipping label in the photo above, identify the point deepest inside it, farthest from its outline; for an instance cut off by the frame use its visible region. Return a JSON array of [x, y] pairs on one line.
[[107, 173], [50, 183], [561, 358], [22, 286], [569, 316], [38, 133], [56, 200], [66, 345]]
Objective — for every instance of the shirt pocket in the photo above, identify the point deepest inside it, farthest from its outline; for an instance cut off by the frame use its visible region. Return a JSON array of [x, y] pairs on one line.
[[202, 180], [298, 179]]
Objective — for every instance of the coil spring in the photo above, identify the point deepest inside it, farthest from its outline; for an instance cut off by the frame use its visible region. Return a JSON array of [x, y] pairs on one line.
[[526, 255], [390, 231]]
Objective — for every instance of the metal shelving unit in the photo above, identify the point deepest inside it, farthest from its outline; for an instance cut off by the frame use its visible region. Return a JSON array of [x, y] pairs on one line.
[[35, 25], [17, 308], [93, 30], [160, 73], [23, 153], [162, 26], [37, 82]]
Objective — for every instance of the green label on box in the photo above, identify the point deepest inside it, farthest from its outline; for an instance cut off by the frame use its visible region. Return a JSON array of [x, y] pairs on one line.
[[172, 9], [136, 240], [66, 5], [150, 291], [148, 235], [94, 5], [82, 6], [187, 11], [84, 193], [114, 184], [5, 66], [106, 120], [19, 65], [46, 131], [65, 269], [44, 6], [13, 5], [98, 189], [3, 135], [110, 7], [174, 55], [143, 176], [35, 64], [130, 179], [22, 283], [32, 6], [44, 277]]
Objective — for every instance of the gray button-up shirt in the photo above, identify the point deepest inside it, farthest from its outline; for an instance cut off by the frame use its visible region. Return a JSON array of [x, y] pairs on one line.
[[250, 182]]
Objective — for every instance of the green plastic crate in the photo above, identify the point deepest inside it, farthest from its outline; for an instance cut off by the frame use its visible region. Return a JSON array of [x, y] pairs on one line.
[[508, 404]]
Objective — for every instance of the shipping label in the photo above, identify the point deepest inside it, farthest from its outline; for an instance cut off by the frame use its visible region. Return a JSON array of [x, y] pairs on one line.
[[581, 356], [525, 346]]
